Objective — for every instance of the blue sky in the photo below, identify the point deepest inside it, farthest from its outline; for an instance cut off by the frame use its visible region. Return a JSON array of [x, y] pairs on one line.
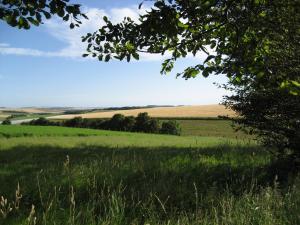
[[43, 67]]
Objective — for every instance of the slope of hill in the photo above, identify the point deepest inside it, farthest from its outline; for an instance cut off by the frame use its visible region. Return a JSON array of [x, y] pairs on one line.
[[178, 111]]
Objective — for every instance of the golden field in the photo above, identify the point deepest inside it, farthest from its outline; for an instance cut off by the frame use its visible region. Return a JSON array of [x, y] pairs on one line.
[[178, 111]]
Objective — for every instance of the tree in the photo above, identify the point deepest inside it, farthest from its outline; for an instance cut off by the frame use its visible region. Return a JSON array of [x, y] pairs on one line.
[[24, 13], [116, 122], [170, 127], [144, 123], [152, 126], [270, 113], [6, 122], [141, 122], [255, 43], [74, 122], [128, 123], [238, 37]]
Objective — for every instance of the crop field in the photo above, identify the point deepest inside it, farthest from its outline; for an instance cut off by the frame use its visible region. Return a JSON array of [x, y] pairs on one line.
[[179, 111], [56, 175], [3, 116]]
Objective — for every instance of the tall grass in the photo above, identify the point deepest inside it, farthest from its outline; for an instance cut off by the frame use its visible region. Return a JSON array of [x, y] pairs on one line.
[[142, 185], [127, 178]]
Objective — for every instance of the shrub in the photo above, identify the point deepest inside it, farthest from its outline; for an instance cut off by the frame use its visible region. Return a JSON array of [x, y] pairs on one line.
[[170, 127]]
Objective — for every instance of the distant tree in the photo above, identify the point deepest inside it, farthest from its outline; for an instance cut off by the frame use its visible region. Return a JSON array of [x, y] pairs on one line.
[[74, 122], [152, 126], [128, 123], [170, 127], [24, 13], [6, 122], [116, 122], [141, 122], [144, 123], [42, 121]]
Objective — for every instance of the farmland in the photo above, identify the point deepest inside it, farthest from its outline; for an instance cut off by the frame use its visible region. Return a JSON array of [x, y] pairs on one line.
[[178, 111], [82, 176], [210, 127]]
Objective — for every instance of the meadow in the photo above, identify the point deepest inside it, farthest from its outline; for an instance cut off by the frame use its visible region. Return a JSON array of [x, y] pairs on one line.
[[209, 127], [57, 175]]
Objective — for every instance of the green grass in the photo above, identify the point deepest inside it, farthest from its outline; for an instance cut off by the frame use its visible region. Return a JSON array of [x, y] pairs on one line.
[[72, 137], [211, 128], [23, 130], [131, 178]]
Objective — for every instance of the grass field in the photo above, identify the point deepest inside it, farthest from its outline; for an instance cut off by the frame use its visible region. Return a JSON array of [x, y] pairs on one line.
[[211, 128], [179, 111], [131, 178]]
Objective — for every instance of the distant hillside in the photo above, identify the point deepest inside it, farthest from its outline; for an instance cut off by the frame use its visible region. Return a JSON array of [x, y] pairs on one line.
[[177, 111]]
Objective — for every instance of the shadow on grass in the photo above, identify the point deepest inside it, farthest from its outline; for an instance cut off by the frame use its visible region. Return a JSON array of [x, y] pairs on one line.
[[174, 175], [221, 166]]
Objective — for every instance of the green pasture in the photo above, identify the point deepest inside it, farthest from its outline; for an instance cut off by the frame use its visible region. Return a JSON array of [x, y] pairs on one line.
[[82, 176]]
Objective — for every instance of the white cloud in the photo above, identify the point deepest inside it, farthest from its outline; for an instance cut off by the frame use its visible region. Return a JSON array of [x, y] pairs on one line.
[[72, 37], [4, 45]]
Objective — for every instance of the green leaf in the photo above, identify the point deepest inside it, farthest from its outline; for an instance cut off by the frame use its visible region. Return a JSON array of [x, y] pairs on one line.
[[209, 58], [128, 58], [46, 14], [136, 56], [107, 58], [33, 21]]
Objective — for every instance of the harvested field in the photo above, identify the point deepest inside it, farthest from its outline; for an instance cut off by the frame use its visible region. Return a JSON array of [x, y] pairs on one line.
[[30, 110], [179, 111]]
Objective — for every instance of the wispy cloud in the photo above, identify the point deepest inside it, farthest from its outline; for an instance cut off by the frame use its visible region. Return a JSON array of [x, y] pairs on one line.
[[72, 37]]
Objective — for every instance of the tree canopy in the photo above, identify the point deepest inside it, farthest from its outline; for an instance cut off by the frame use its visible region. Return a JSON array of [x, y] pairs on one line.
[[24, 13], [240, 37]]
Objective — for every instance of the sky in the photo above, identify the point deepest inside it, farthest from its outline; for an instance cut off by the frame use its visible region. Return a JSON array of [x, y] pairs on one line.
[[43, 67]]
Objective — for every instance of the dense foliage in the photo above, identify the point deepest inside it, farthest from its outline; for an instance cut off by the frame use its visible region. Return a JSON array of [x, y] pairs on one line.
[[142, 123], [237, 36], [170, 127], [43, 122], [271, 114], [24, 13]]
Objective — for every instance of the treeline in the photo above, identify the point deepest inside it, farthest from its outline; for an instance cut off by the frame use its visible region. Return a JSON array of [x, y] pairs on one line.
[[142, 123]]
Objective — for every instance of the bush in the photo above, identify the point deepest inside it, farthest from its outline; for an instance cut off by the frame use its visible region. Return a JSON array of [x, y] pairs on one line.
[[6, 122], [170, 127]]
